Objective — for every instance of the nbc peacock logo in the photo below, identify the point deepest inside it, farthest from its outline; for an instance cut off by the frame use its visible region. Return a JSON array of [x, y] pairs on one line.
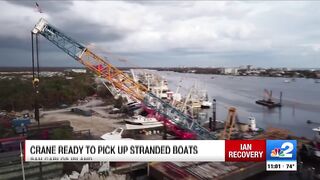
[[277, 152]]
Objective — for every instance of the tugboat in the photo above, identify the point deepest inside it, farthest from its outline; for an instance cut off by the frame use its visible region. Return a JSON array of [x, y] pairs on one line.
[[268, 100]]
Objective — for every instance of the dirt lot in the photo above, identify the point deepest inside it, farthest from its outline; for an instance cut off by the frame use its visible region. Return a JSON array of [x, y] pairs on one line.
[[99, 123]]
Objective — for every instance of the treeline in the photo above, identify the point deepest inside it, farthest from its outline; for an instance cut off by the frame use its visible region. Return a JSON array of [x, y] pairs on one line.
[[18, 94], [196, 70]]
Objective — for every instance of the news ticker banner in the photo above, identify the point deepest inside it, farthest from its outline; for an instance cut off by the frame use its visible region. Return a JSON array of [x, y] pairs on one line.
[[280, 155]]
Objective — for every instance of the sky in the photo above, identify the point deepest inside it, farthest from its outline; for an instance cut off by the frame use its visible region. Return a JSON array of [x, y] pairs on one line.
[[169, 33]]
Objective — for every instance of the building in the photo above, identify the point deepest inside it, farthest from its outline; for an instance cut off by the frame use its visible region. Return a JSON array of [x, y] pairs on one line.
[[77, 70], [231, 71]]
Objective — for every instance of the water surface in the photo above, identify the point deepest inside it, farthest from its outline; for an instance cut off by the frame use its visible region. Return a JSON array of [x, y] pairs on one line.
[[301, 98]]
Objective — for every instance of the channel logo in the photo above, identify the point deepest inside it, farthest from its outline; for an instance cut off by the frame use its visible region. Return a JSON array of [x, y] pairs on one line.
[[281, 149], [277, 152], [281, 155]]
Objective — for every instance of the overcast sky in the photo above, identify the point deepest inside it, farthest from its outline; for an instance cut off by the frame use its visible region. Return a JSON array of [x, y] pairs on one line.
[[166, 33]]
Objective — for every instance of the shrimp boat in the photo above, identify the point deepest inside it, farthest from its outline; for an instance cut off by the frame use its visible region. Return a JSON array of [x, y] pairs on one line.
[[205, 103]]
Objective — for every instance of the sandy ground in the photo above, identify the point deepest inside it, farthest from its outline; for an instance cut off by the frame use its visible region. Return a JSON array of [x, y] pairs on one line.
[[99, 123]]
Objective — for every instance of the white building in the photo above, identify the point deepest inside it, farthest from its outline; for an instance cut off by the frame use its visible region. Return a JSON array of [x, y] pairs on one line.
[[231, 71], [77, 70]]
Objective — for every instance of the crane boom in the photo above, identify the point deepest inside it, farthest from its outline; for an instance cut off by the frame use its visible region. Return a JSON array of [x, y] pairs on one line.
[[163, 111]]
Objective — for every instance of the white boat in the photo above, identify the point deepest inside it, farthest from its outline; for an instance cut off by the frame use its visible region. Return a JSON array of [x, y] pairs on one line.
[[205, 103], [286, 81], [161, 89], [132, 126], [114, 135], [317, 134], [252, 124], [141, 120], [317, 141], [316, 129]]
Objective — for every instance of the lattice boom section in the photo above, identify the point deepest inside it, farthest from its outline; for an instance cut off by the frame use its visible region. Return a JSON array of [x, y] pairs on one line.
[[176, 117], [113, 75]]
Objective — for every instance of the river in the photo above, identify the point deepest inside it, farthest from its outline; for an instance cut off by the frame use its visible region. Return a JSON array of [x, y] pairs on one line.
[[301, 98]]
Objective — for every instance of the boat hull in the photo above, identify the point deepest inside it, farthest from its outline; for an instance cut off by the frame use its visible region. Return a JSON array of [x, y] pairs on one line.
[[269, 104]]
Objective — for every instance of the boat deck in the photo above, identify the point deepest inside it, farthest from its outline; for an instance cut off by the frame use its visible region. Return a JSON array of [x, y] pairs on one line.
[[269, 104]]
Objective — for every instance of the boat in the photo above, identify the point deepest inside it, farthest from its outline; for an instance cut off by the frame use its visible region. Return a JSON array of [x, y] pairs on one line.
[[141, 120], [269, 104], [312, 150], [162, 90], [317, 141], [148, 126], [252, 124], [134, 106], [249, 128], [267, 100], [195, 104], [317, 136], [317, 81], [159, 86], [317, 129], [114, 135], [205, 103]]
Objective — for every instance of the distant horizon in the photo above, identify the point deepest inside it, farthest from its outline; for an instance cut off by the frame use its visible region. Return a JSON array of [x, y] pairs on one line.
[[160, 67]]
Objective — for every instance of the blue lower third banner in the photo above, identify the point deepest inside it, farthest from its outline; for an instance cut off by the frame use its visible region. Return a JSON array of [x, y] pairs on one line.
[[281, 155]]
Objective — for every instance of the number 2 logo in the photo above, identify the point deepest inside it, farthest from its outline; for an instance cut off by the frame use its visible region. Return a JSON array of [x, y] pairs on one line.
[[287, 148]]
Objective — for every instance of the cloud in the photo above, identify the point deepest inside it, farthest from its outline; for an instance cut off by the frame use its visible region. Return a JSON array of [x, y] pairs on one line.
[[168, 33], [46, 6], [314, 46]]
